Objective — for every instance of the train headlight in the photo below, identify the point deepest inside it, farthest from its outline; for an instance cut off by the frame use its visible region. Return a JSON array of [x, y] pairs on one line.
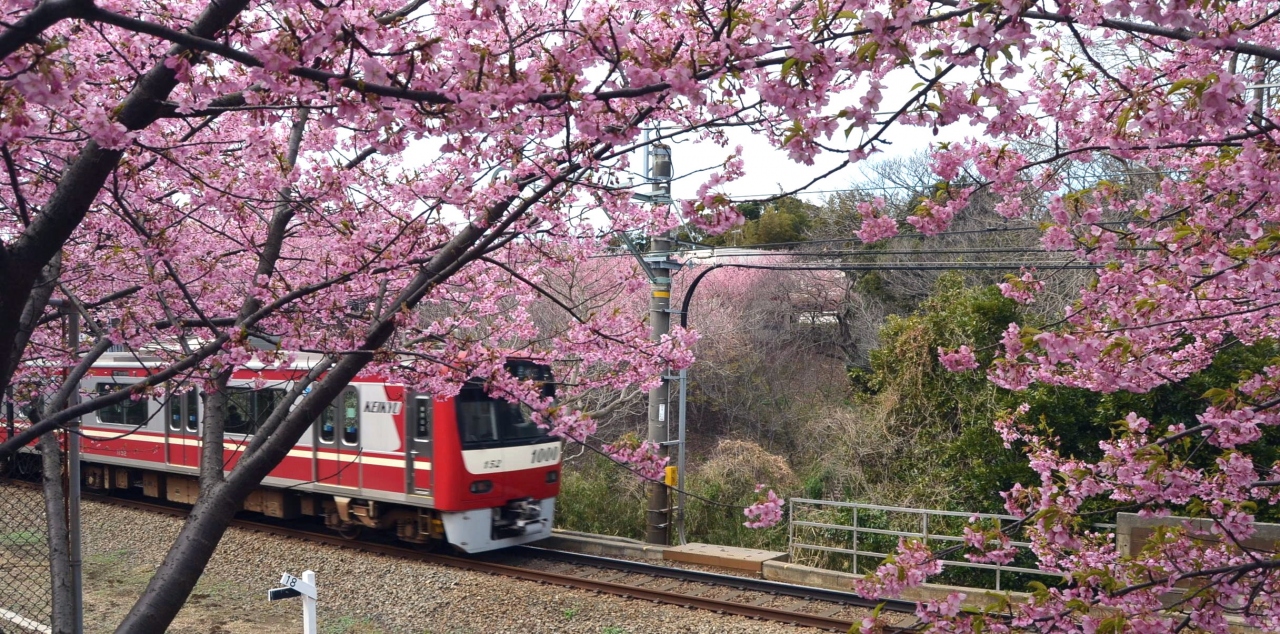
[[482, 486], [553, 476]]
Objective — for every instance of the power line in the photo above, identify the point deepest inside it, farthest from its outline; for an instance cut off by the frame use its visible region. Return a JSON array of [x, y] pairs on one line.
[[883, 188], [922, 266], [902, 236], [872, 253], [769, 245]]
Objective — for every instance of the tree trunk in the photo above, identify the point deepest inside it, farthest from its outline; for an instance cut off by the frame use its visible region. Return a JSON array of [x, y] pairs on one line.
[[63, 590], [185, 562]]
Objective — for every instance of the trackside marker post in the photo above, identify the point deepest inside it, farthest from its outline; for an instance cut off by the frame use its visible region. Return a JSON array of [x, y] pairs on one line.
[[304, 587]]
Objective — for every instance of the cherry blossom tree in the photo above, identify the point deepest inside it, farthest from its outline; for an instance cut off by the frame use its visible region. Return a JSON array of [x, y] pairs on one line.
[[1185, 271], [379, 181]]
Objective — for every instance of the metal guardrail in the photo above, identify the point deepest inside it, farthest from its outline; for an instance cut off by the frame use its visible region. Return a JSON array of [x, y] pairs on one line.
[[803, 513]]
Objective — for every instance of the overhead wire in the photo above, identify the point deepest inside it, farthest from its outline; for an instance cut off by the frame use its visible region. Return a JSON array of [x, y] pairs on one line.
[[876, 253], [918, 266], [747, 252], [882, 188], [901, 236], [921, 266]]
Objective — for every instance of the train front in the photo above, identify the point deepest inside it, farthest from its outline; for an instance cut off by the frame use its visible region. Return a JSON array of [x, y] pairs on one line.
[[498, 472]]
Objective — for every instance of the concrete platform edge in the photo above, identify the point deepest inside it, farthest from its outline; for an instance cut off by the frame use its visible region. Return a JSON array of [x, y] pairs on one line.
[[976, 598], [602, 546]]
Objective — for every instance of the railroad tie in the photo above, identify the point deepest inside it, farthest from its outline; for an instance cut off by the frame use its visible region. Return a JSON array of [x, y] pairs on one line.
[[666, 586], [792, 606], [829, 612]]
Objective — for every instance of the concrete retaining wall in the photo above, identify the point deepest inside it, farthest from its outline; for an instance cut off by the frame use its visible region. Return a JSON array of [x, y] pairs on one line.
[[1133, 530]]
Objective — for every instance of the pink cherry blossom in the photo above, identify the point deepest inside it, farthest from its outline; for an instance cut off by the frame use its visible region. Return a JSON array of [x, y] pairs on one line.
[[958, 360], [765, 513]]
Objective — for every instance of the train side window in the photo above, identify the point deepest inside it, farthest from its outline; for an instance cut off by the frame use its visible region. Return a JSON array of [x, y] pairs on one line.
[[239, 411], [350, 417], [422, 417], [343, 412], [175, 413], [129, 412], [193, 410], [248, 409], [328, 423], [184, 410]]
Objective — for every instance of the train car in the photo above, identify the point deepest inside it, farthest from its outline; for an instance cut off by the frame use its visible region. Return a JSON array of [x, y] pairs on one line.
[[472, 470]]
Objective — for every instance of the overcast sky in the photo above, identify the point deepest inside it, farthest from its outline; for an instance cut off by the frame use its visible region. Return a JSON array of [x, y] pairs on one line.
[[768, 170]]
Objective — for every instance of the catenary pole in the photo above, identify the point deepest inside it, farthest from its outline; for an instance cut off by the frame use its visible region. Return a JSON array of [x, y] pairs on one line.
[[661, 265]]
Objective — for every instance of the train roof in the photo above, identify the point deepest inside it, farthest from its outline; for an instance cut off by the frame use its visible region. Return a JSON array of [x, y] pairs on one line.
[[147, 359]]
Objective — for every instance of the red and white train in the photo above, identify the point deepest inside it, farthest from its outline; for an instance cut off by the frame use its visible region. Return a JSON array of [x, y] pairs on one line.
[[472, 470]]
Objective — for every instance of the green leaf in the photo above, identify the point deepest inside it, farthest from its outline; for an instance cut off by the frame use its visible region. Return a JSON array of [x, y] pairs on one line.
[[1112, 625], [1182, 84], [867, 52], [1218, 396], [788, 65], [1122, 120]]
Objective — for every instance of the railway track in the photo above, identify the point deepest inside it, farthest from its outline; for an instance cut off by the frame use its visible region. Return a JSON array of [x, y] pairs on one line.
[[827, 609], [724, 594]]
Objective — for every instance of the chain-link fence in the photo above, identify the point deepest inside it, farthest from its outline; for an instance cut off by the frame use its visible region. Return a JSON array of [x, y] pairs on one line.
[[25, 601]]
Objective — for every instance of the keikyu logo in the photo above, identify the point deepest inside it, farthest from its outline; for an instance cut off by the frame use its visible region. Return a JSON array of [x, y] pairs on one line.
[[382, 407]]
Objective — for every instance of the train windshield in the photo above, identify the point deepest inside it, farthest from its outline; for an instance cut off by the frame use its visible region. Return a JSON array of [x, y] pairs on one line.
[[485, 421]]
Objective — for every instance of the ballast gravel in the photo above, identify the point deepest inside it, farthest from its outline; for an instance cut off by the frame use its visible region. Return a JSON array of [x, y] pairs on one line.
[[360, 593]]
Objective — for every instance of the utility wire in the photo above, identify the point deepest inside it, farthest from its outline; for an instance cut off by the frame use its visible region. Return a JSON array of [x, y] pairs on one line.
[[732, 252], [922, 266], [929, 266], [916, 236], [855, 239], [748, 252], [881, 188], [873, 253]]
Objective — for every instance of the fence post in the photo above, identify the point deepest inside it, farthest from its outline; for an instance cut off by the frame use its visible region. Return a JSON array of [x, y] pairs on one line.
[[855, 540], [999, 566], [791, 529]]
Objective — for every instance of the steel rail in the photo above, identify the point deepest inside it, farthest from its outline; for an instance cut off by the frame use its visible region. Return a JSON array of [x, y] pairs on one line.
[[566, 580], [740, 583]]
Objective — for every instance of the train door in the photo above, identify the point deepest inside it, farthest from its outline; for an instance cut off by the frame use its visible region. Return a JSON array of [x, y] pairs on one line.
[[182, 429], [418, 441], [337, 441]]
